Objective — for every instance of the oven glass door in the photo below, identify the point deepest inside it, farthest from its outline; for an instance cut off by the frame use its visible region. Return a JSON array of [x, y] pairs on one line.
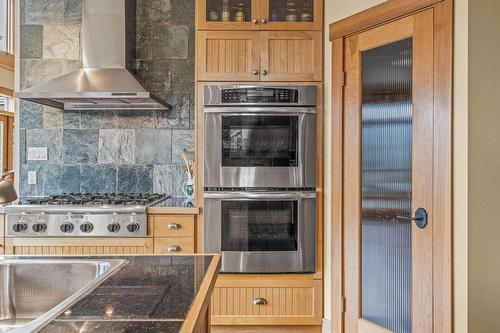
[[248, 226], [259, 141], [264, 148]]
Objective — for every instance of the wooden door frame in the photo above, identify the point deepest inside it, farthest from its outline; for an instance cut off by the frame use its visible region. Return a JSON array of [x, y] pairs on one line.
[[442, 280]]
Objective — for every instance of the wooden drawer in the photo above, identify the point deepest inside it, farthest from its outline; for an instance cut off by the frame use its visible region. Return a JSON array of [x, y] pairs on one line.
[[284, 300], [184, 245], [174, 226]]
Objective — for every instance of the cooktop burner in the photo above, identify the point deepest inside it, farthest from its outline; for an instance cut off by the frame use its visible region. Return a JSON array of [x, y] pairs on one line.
[[122, 199]]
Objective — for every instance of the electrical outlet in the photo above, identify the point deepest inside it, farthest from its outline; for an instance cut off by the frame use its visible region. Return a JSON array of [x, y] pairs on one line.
[[32, 178], [37, 154]]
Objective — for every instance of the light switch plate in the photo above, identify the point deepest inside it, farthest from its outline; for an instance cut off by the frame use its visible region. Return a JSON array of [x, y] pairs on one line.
[[37, 154], [32, 178]]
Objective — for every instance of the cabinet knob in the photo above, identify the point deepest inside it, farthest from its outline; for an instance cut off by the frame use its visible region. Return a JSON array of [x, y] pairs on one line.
[[259, 301], [173, 226], [255, 72], [264, 21], [173, 248], [255, 21], [264, 72]]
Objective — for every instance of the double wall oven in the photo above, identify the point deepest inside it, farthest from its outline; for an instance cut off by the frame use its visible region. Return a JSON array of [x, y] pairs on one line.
[[260, 177]]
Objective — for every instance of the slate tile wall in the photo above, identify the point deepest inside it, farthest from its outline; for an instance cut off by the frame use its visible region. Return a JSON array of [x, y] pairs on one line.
[[108, 151]]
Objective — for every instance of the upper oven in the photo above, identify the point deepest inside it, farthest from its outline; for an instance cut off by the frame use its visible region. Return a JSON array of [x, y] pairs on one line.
[[260, 136]]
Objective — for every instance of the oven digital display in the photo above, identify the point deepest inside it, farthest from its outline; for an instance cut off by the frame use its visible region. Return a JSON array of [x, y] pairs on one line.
[[260, 95]]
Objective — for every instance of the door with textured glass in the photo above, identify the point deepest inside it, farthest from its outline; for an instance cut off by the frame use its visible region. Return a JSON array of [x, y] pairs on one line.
[[388, 110]]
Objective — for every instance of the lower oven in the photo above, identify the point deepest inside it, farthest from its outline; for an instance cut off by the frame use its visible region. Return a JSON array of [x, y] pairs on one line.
[[262, 232]]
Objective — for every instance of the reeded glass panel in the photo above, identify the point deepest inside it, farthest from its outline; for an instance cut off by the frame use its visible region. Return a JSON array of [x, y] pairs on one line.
[[387, 186], [229, 10], [291, 10], [259, 225]]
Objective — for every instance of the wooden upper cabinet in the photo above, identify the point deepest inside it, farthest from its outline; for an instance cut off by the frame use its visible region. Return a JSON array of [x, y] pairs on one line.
[[260, 56], [259, 14], [228, 56], [291, 56]]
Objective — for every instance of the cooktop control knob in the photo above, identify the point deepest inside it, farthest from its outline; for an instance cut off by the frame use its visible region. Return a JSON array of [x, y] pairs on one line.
[[39, 226], [20, 227], [67, 227], [86, 227], [114, 227], [133, 227]]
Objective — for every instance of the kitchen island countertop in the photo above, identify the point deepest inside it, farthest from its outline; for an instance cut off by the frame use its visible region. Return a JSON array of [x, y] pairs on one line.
[[168, 294]]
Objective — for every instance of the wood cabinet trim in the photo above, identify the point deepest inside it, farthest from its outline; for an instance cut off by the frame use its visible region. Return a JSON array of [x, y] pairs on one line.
[[195, 318], [377, 15], [266, 329]]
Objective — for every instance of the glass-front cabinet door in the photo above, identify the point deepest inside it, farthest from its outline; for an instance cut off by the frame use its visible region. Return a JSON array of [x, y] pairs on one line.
[[229, 14], [260, 15], [291, 14]]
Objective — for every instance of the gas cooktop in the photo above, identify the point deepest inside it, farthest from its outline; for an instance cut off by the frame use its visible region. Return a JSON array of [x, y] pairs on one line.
[[87, 199], [81, 215]]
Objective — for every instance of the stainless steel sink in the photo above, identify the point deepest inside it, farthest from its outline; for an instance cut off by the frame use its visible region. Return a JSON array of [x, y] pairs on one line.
[[34, 291]]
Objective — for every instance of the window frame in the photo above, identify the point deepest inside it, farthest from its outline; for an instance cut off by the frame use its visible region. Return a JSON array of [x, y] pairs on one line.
[[9, 35], [8, 146]]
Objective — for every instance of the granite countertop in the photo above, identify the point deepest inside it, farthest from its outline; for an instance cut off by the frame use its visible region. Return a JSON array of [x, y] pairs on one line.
[[175, 205], [148, 294], [172, 205]]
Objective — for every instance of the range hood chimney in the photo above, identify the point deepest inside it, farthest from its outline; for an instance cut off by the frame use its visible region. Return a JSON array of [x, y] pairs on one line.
[[104, 83]]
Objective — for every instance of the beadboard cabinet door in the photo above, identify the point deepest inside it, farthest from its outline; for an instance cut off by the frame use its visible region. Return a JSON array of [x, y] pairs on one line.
[[228, 56], [291, 56], [78, 246], [279, 56]]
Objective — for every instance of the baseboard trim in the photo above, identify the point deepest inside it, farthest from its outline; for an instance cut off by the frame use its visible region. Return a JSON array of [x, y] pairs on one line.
[[327, 326]]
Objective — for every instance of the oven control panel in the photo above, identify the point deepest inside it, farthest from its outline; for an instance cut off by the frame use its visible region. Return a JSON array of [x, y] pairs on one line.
[[260, 95], [76, 225]]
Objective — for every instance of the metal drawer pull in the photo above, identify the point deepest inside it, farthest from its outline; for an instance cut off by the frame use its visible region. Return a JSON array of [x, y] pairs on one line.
[[259, 301], [173, 226], [174, 248], [255, 21]]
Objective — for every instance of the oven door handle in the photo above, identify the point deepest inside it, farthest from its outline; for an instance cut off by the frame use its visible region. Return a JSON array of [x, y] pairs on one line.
[[259, 110], [259, 195]]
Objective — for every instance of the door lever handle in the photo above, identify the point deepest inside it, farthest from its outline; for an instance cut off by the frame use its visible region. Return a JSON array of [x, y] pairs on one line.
[[421, 218]]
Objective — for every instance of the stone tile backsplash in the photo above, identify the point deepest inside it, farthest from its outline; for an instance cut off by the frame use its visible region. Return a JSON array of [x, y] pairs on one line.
[[108, 151]]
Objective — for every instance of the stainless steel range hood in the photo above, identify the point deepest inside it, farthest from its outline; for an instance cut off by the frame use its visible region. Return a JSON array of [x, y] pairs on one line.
[[104, 82]]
